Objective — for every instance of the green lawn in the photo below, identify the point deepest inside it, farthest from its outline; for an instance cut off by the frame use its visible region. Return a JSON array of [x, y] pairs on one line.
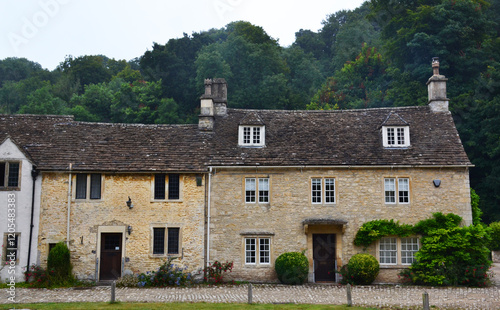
[[181, 306]]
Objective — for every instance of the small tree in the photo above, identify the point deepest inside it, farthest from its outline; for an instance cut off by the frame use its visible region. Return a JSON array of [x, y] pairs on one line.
[[495, 236], [59, 263]]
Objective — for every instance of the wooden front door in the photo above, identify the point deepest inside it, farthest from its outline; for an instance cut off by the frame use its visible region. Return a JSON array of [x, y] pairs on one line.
[[324, 257], [111, 256]]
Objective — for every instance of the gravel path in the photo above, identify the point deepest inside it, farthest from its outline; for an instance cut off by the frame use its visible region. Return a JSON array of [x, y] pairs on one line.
[[376, 295]]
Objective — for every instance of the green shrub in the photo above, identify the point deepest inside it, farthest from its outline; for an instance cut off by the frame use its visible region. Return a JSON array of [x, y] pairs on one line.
[[167, 275], [362, 269], [128, 280], [292, 268], [214, 272], [495, 236], [59, 264]]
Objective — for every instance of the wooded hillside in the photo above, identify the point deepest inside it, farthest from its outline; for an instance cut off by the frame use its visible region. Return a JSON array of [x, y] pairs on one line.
[[374, 56]]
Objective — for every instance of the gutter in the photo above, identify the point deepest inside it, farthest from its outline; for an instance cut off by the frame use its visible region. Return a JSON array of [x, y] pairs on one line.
[[34, 174], [69, 204], [208, 214], [343, 166]]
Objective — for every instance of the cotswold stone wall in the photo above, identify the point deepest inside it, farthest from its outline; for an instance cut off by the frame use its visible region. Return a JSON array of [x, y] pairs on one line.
[[110, 213], [359, 195]]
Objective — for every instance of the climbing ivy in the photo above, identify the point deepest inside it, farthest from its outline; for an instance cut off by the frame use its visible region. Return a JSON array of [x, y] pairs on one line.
[[374, 230]]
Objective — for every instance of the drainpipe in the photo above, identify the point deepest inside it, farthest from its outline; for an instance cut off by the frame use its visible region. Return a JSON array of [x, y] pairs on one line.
[[69, 204], [34, 174], [208, 215]]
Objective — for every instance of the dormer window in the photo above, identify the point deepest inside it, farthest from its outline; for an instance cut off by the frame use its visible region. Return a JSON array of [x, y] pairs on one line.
[[251, 136], [396, 136]]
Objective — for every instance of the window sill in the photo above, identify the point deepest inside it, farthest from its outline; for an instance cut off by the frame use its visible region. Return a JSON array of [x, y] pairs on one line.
[[87, 200], [166, 200], [324, 204], [10, 189], [163, 256], [394, 266], [253, 266]]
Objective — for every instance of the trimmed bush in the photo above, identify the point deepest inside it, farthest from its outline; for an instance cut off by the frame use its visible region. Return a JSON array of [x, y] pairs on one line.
[[292, 268], [362, 269], [59, 264]]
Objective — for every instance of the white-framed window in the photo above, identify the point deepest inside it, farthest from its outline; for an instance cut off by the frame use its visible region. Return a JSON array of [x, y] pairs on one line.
[[251, 136], [167, 186], [257, 251], [10, 175], [397, 191], [165, 240], [323, 190], [394, 136], [409, 246], [88, 186], [257, 189], [397, 251]]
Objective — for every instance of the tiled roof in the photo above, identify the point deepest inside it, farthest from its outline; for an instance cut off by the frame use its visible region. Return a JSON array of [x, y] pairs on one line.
[[342, 137], [53, 142], [293, 138]]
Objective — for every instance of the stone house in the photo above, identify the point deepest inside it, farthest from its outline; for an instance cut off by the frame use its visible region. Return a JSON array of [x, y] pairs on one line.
[[242, 185], [124, 197], [307, 180]]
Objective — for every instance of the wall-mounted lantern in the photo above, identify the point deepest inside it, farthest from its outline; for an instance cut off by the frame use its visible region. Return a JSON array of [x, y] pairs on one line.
[[130, 205], [129, 229]]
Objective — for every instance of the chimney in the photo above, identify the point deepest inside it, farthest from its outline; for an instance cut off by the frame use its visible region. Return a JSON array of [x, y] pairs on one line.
[[213, 103], [436, 86]]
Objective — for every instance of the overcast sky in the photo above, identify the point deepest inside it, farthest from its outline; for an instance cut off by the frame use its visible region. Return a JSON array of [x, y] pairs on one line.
[[46, 31]]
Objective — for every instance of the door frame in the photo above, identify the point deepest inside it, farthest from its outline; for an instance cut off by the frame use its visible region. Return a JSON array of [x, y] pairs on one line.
[[334, 256], [109, 229], [338, 230]]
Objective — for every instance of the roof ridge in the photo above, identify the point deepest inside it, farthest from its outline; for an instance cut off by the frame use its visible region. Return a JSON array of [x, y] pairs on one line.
[[330, 111]]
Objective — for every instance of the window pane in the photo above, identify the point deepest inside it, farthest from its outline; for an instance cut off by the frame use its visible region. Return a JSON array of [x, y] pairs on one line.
[[264, 250], [3, 166], [316, 190], [95, 186], [264, 190], [159, 240], [329, 190], [390, 190], [256, 135], [81, 186], [390, 136], [250, 250], [409, 246], [246, 135], [159, 186], [388, 251], [250, 190], [13, 174], [173, 186], [401, 136], [173, 240], [404, 190]]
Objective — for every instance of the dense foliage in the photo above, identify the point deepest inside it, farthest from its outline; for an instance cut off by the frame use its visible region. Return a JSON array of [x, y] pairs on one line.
[[449, 254], [495, 236], [59, 263], [168, 274], [377, 55], [292, 268], [362, 269], [214, 273]]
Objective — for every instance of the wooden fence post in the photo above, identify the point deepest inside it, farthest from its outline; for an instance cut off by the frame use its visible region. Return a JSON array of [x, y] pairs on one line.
[[425, 297], [250, 297], [349, 295], [113, 287]]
